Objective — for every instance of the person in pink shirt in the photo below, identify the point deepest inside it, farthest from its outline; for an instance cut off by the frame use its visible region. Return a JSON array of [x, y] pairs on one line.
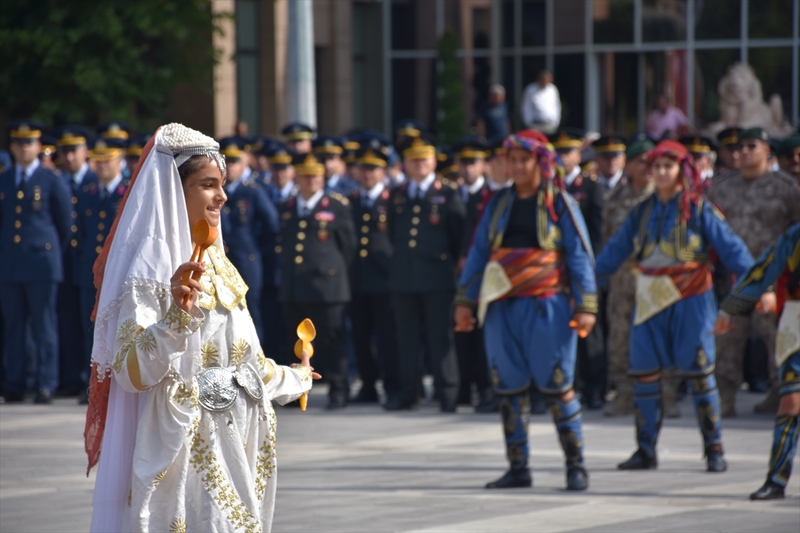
[[666, 118]]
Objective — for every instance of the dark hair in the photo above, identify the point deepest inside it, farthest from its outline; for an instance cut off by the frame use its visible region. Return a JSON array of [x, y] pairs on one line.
[[192, 165]]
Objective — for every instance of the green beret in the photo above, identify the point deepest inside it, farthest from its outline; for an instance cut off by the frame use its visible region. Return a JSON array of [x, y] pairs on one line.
[[638, 148], [759, 134], [789, 144]]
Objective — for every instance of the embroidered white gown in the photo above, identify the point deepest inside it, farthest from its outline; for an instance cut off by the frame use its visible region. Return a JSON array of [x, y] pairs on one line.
[[194, 469]]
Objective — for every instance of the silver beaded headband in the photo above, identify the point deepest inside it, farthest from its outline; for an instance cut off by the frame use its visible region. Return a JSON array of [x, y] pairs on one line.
[[186, 142]]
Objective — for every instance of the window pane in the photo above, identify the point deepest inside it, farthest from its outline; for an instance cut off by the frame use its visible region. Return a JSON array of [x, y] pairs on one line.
[[770, 18], [666, 73], [481, 28], [511, 94], [569, 78], [508, 24], [773, 67], [413, 24], [618, 101], [568, 17], [718, 19], [663, 21], [246, 25], [533, 23], [247, 89], [413, 90], [531, 66], [613, 21], [711, 66]]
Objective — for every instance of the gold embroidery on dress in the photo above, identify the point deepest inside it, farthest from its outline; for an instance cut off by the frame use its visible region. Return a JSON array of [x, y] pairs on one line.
[[210, 354], [702, 360], [304, 371], [267, 366], [230, 287], [265, 463], [127, 329], [177, 319], [146, 341], [205, 464], [159, 477], [558, 377], [208, 298], [187, 395], [121, 355], [178, 525], [238, 350]]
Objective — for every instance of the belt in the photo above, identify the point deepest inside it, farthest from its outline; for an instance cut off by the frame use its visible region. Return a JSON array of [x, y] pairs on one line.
[[219, 387]]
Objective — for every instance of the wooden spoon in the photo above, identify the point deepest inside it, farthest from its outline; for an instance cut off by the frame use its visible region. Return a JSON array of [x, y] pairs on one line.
[[203, 235], [306, 333]]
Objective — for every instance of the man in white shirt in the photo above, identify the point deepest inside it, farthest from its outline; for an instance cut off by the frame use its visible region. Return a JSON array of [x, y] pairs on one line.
[[541, 104]]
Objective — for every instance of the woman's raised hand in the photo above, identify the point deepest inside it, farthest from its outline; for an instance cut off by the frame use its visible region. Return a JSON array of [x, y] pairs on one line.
[[185, 296]]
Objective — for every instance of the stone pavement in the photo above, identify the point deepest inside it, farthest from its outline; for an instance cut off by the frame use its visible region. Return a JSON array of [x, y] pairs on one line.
[[363, 470]]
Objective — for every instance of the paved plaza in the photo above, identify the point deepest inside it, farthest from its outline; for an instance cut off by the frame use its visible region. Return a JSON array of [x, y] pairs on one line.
[[364, 470]]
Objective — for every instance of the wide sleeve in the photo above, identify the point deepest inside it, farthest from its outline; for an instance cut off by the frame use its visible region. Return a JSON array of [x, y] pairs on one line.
[[761, 277], [149, 338], [730, 248], [578, 258]]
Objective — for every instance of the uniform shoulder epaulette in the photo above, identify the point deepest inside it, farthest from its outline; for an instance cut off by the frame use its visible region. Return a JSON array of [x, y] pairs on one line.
[[339, 198]]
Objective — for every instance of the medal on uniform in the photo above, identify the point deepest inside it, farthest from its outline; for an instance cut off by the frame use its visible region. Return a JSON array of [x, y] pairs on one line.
[[434, 217], [322, 234], [36, 205], [382, 227]]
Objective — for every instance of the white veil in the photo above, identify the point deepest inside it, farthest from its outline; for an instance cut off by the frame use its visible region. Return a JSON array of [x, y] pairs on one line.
[[152, 239]]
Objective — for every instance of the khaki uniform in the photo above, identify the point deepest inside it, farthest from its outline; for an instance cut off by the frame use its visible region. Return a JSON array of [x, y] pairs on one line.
[[759, 211]]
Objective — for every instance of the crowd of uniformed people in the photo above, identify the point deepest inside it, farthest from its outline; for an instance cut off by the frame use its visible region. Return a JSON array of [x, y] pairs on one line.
[[365, 235]]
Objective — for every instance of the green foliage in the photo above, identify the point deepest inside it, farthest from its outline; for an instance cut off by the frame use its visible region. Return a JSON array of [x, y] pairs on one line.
[[89, 60], [450, 113]]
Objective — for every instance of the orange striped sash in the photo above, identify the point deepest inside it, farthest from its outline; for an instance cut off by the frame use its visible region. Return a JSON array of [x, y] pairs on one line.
[[691, 278], [532, 271]]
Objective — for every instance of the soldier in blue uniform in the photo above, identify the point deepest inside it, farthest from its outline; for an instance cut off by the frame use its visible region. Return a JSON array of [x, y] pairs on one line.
[[297, 136], [371, 306], [72, 142], [426, 225], [329, 150], [778, 268], [249, 217], [672, 234], [121, 132], [96, 209], [134, 150], [529, 273], [318, 241], [34, 227]]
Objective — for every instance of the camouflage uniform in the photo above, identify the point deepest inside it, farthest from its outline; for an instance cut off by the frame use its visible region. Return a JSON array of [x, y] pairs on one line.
[[621, 298], [759, 211]]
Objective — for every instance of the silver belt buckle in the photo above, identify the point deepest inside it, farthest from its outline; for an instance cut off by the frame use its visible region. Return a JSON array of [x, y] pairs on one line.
[[218, 389], [247, 378]]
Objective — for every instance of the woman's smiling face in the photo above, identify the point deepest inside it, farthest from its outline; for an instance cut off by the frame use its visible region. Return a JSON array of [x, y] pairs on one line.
[[204, 194]]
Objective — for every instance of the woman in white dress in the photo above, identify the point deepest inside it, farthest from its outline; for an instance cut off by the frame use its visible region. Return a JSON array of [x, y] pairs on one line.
[[188, 440]]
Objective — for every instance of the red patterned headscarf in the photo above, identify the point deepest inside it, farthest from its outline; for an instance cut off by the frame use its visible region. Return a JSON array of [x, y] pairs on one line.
[[536, 143], [692, 189]]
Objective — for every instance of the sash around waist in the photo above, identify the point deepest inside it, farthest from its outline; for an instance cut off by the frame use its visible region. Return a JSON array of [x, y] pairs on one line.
[[691, 279], [531, 271]]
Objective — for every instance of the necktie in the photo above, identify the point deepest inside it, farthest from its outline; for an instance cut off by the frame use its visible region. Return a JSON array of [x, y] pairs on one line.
[[23, 178]]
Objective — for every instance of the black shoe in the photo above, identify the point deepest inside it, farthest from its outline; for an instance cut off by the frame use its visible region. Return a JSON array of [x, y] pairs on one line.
[[770, 491], [43, 397], [398, 405], [365, 395], [577, 478], [715, 461], [640, 460], [514, 478], [14, 397], [447, 406], [336, 403]]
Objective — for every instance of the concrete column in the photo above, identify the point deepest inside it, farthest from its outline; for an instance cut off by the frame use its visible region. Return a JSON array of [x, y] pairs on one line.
[[225, 112], [300, 86], [272, 53]]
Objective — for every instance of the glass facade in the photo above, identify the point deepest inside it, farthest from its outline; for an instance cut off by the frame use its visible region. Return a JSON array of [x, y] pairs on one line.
[[610, 58]]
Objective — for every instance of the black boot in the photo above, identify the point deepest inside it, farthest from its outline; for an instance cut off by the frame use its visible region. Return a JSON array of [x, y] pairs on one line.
[[514, 478], [640, 460], [577, 478], [769, 491], [715, 461]]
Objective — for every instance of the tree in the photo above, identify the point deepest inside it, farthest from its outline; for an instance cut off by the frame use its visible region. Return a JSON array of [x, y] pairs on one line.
[[86, 60], [450, 112]]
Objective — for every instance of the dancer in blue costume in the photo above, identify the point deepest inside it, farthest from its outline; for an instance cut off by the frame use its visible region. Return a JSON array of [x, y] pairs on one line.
[[778, 267], [529, 273], [672, 235]]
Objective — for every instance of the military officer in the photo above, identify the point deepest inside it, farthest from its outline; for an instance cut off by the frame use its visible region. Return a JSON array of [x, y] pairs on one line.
[[280, 185], [426, 225], [248, 217], [470, 152], [499, 178], [703, 150], [759, 205], [96, 209], [350, 157], [72, 142], [134, 150], [622, 286], [329, 150], [610, 159], [371, 308], [789, 156], [297, 136], [34, 226], [48, 156], [120, 131], [729, 150], [318, 241], [589, 193]]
